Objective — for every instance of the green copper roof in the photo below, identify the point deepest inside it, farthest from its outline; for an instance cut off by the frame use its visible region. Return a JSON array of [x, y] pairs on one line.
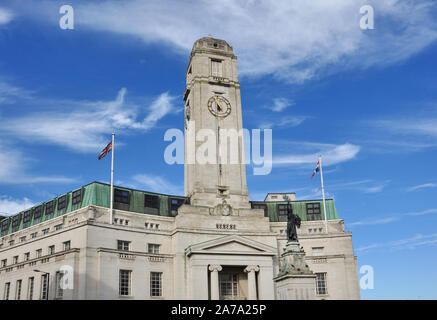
[[98, 194]]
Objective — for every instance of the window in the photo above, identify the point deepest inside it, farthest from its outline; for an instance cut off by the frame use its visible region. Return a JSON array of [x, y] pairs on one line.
[[153, 248], [156, 284], [5, 225], [59, 291], [15, 260], [313, 211], [76, 199], [7, 288], [125, 278], [4, 263], [27, 216], [37, 213], [66, 245], [50, 207], [38, 253], [174, 205], [62, 203], [58, 227], [216, 68], [121, 196], [123, 245], [33, 235], [51, 250], [262, 206], [321, 283], [22, 239], [18, 290], [27, 256], [317, 251], [30, 288], [44, 286], [16, 220], [228, 285], [151, 204], [282, 209], [45, 231], [12, 242]]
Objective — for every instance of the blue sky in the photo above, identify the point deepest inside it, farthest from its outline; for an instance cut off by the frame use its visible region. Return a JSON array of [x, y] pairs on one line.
[[365, 99]]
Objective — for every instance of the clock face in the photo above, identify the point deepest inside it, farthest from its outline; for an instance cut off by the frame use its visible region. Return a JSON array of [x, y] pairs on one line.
[[219, 106]]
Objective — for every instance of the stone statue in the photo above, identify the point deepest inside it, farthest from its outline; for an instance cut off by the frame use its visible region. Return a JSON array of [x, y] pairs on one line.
[[293, 222]]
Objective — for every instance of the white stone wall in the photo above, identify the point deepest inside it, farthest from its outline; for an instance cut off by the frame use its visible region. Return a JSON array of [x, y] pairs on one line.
[[97, 261]]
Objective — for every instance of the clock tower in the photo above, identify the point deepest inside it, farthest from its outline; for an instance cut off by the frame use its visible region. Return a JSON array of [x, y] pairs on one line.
[[213, 117]]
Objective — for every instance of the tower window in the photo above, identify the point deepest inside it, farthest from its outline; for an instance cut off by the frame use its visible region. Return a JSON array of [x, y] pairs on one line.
[[123, 245], [216, 68], [151, 204], [313, 211]]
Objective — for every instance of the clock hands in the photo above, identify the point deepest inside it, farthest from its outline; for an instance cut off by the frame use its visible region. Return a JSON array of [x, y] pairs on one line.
[[219, 107]]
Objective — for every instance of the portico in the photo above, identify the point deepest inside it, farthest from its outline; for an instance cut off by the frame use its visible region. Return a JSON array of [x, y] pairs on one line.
[[231, 267]]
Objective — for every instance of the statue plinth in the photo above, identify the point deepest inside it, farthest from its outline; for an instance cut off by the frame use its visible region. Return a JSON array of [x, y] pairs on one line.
[[295, 280]]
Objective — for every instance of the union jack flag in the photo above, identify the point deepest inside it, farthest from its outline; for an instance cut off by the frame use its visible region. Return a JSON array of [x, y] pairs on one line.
[[105, 151], [316, 169]]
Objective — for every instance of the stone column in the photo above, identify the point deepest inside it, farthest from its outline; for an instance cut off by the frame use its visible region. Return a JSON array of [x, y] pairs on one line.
[[215, 293], [251, 281]]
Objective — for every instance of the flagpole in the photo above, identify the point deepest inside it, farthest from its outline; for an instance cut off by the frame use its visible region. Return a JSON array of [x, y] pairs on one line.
[[323, 194], [112, 182]]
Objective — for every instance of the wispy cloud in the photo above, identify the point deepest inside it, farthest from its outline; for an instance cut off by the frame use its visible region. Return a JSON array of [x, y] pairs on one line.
[[5, 16], [13, 169], [155, 183], [282, 34], [422, 186], [407, 243], [9, 205], [332, 154], [287, 121], [88, 125], [391, 218], [10, 93]]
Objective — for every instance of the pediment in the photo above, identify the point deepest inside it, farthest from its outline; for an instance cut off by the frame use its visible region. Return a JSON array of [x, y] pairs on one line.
[[231, 245]]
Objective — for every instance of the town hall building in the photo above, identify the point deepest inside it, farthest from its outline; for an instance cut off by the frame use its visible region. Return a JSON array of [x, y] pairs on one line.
[[211, 243]]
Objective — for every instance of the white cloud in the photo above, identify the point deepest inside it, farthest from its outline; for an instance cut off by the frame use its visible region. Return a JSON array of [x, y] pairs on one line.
[[9, 206], [9, 93], [292, 40], [5, 16], [332, 154], [280, 104], [422, 186], [154, 183], [88, 126]]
